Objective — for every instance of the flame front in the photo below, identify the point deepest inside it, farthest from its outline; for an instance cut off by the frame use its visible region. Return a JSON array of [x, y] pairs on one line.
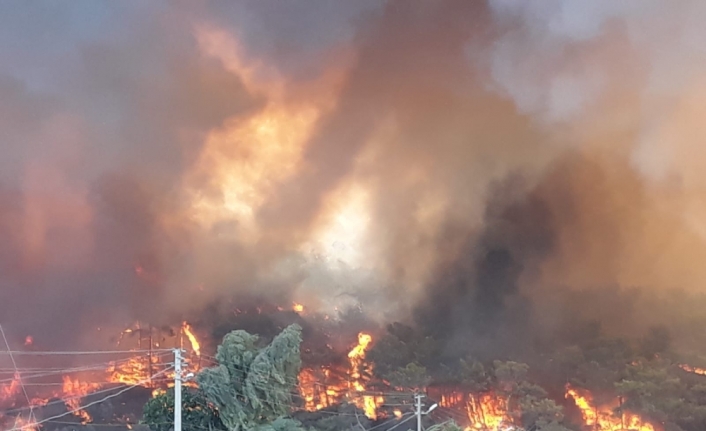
[[74, 390], [195, 345], [694, 370], [368, 403], [603, 418], [322, 388], [486, 411]]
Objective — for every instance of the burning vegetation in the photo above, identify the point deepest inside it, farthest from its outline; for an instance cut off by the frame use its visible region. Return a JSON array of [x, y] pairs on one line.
[[497, 204], [378, 373]]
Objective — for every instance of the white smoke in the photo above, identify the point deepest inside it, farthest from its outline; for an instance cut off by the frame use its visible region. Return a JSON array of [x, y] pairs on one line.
[[564, 61]]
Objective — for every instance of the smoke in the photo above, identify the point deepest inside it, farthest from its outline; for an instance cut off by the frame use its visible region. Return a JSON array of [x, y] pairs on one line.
[[485, 168], [608, 232]]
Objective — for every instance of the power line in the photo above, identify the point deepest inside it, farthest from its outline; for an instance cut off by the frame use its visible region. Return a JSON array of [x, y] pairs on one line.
[[391, 420], [71, 398], [93, 367], [33, 425], [93, 352], [19, 377]]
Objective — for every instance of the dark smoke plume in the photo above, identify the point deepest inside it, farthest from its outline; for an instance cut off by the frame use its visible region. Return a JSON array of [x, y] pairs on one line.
[[500, 172]]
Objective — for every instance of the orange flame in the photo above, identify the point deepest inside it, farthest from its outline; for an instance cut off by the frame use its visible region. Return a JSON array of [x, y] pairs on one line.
[[195, 345], [368, 403], [10, 390], [74, 389], [321, 388], [694, 370], [298, 307], [24, 424], [603, 418], [486, 411]]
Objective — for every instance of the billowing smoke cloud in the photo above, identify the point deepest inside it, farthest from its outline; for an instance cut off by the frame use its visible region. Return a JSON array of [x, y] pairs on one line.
[[474, 165], [609, 230]]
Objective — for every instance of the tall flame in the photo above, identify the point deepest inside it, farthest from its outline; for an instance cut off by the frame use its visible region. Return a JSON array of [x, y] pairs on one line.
[[603, 418], [368, 403], [485, 411], [195, 345], [321, 388]]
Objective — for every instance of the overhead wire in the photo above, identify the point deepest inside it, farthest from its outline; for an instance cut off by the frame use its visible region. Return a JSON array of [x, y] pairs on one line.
[[295, 381], [19, 377], [92, 367], [92, 352], [83, 407]]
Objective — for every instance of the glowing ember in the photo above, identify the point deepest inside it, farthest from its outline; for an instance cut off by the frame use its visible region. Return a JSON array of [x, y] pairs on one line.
[[694, 370], [29, 340], [298, 308], [485, 411], [24, 424], [10, 390], [603, 418], [73, 390], [195, 345]]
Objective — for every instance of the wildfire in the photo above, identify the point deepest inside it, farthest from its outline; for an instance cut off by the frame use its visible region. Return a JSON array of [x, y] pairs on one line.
[[603, 418], [24, 424], [298, 307], [195, 345], [694, 370], [319, 395], [10, 390], [368, 403], [486, 411], [135, 370], [147, 370], [74, 390], [320, 388]]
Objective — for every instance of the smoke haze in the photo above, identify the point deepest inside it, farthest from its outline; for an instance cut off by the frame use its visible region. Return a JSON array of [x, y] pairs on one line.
[[487, 166]]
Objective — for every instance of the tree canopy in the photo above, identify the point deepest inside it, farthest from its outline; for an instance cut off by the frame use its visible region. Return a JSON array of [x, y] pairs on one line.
[[251, 388]]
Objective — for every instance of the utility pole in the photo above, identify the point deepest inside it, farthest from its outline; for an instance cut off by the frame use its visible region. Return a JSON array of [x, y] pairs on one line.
[[177, 389], [418, 402]]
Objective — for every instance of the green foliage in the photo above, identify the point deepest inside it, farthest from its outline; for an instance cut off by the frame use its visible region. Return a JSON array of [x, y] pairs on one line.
[[413, 376], [527, 403], [657, 342], [252, 387], [446, 426], [197, 413], [652, 391], [402, 345], [279, 424], [474, 376]]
